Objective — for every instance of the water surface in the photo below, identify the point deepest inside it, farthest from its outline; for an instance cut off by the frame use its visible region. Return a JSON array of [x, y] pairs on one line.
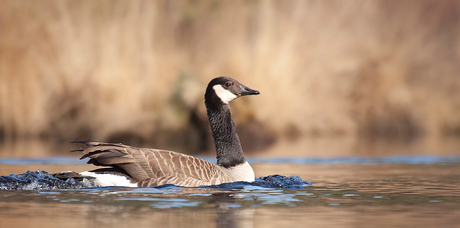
[[344, 194]]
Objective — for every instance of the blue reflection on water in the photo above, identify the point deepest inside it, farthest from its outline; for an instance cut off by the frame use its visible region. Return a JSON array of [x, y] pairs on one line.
[[361, 160]]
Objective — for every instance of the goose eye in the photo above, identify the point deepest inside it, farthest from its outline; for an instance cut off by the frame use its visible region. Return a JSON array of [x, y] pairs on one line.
[[228, 84]]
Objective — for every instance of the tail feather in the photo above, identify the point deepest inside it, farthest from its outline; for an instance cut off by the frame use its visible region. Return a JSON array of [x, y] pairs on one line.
[[114, 155]]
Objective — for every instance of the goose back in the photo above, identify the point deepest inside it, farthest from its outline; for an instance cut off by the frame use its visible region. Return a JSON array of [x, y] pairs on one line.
[[153, 167]]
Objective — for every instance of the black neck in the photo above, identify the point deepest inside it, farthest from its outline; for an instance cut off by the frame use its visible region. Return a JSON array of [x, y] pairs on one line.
[[228, 146]]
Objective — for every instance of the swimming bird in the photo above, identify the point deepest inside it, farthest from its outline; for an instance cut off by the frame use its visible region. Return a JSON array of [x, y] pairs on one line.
[[146, 167]]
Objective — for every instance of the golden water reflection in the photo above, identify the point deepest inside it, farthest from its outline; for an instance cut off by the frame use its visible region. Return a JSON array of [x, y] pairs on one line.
[[72, 215]]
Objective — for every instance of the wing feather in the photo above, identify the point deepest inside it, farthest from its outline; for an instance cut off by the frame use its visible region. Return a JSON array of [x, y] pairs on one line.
[[152, 167]]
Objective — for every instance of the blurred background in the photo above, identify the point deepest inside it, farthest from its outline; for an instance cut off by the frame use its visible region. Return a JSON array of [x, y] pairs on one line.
[[337, 78]]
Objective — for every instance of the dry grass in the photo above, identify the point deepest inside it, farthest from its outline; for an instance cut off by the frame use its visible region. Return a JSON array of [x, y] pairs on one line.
[[103, 70]]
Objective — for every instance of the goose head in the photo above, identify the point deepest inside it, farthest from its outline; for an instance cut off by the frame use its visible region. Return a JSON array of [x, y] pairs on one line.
[[222, 90]]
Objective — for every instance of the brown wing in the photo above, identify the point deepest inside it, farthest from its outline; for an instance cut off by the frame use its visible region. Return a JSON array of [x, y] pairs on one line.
[[152, 167]]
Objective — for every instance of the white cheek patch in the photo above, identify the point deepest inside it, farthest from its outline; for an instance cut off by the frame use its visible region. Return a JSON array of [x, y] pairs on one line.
[[224, 95]]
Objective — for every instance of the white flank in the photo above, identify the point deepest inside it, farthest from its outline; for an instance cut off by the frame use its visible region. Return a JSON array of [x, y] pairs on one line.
[[241, 172], [224, 95], [103, 180]]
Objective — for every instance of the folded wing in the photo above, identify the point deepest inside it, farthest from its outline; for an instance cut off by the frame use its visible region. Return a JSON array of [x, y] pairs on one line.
[[152, 167]]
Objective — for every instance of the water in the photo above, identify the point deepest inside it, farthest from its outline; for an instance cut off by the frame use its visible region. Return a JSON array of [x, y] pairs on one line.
[[418, 192], [42, 180]]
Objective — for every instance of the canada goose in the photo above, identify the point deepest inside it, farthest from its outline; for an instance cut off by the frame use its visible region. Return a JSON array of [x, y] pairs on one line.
[[145, 167]]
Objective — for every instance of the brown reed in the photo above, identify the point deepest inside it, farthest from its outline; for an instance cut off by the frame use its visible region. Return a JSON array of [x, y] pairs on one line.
[[103, 70]]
